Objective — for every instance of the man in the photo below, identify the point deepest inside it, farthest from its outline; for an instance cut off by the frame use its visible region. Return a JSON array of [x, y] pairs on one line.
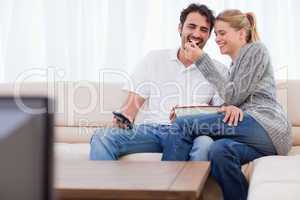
[[164, 78]]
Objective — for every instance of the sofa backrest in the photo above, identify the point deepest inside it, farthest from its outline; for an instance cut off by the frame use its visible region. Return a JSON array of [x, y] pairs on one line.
[[294, 108], [76, 103], [82, 106]]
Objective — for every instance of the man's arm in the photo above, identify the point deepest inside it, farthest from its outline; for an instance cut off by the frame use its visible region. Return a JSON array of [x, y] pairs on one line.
[[137, 94], [131, 107]]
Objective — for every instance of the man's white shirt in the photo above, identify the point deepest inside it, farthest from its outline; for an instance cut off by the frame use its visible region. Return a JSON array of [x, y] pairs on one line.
[[165, 82]]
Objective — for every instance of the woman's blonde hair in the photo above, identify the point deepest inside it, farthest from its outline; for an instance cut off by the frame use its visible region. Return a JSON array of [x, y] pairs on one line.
[[239, 20]]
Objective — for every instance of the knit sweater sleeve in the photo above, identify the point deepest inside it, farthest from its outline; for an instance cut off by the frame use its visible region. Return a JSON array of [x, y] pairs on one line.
[[245, 75]]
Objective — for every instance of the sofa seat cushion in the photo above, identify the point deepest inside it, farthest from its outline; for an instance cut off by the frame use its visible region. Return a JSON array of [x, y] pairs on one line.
[[142, 157], [80, 151], [276, 178], [294, 151], [69, 134], [69, 151]]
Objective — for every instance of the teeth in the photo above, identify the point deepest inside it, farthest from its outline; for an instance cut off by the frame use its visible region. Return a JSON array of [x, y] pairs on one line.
[[191, 40]]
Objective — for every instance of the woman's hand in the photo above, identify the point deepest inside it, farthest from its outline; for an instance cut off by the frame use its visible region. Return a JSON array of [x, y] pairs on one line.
[[172, 115], [232, 115], [192, 51]]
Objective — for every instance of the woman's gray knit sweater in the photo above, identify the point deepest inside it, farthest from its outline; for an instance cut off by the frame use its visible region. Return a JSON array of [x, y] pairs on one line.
[[250, 85]]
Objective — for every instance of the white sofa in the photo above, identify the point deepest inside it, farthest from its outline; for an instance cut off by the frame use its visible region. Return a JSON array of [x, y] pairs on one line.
[[81, 107]]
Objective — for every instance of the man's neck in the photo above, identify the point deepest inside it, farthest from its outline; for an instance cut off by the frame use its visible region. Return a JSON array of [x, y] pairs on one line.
[[182, 59]]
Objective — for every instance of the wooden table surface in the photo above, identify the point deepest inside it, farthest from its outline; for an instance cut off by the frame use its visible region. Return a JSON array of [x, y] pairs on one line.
[[130, 180]]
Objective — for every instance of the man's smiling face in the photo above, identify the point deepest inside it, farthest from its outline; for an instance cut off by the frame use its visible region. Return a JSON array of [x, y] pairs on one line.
[[196, 29]]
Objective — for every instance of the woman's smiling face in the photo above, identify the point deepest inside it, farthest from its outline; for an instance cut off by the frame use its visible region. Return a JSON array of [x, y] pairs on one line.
[[229, 39]]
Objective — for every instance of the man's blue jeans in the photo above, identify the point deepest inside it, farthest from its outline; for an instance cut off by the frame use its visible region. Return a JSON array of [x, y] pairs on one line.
[[112, 143], [233, 147]]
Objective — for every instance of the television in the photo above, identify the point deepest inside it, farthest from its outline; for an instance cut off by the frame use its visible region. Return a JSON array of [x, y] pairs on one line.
[[25, 148]]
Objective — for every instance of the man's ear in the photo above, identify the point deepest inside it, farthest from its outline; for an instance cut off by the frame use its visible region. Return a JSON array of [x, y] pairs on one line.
[[179, 28]]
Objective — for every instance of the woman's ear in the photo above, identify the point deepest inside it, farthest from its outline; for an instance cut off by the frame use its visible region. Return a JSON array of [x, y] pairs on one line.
[[243, 34]]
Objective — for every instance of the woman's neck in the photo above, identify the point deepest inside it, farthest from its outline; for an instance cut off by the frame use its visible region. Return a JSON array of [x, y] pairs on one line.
[[236, 53]]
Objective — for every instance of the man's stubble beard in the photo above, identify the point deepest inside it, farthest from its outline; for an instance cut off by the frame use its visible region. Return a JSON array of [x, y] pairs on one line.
[[184, 40]]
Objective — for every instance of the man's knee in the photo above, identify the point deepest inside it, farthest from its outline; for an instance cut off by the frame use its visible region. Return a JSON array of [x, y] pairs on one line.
[[103, 145], [99, 135], [96, 135]]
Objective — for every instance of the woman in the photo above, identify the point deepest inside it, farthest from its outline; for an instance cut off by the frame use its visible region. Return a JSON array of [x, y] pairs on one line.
[[265, 129]]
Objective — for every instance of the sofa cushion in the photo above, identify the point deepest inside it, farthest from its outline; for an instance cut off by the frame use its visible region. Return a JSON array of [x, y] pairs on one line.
[[75, 152], [275, 177], [89, 103], [296, 135], [69, 134], [80, 152], [293, 101], [142, 157], [294, 151], [288, 190], [76, 103]]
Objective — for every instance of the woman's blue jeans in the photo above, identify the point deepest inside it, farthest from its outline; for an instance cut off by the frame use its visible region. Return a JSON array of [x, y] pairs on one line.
[[233, 147]]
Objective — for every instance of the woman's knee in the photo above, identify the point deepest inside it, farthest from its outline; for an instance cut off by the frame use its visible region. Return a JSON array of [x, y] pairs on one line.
[[219, 150], [202, 143], [203, 140], [201, 147]]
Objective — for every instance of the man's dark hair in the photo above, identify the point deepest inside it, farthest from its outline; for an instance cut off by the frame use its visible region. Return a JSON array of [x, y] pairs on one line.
[[202, 10]]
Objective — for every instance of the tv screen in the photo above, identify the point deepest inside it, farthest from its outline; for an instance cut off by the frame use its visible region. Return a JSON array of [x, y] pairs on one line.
[[25, 149]]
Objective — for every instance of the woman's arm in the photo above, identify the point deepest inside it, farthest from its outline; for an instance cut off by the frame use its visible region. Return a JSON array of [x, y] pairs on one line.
[[241, 83]]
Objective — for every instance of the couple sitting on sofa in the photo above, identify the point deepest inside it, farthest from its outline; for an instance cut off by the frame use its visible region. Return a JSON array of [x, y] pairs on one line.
[[249, 125]]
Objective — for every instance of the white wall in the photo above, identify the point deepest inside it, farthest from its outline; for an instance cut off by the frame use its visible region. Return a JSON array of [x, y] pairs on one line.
[[80, 37]]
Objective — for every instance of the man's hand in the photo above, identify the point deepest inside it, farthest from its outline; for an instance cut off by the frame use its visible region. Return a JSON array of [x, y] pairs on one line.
[[130, 108], [117, 123], [192, 51], [232, 115]]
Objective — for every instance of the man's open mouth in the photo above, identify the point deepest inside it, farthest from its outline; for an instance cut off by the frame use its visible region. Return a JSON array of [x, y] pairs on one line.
[[194, 41]]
